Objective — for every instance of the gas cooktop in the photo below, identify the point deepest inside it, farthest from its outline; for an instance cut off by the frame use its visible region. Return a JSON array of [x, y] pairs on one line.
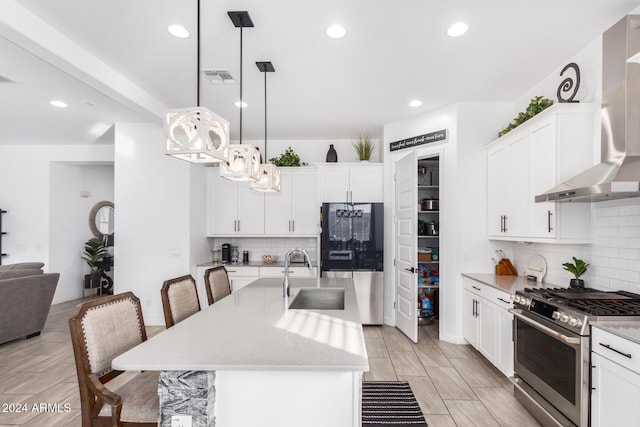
[[573, 308]]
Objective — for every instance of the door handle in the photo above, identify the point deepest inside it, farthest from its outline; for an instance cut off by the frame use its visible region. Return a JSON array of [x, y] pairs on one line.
[[411, 270]]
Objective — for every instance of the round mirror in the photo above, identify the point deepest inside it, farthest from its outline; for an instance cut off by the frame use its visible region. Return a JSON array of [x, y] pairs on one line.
[[101, 219]]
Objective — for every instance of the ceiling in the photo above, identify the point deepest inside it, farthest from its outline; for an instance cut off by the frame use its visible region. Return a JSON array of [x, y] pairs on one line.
[[113, 61]]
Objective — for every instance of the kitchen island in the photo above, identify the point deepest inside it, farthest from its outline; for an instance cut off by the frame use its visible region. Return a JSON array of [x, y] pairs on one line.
[[254, 361]]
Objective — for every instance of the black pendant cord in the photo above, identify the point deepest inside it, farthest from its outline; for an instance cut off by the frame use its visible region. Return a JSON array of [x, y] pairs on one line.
[[198, 59], [241, 107]]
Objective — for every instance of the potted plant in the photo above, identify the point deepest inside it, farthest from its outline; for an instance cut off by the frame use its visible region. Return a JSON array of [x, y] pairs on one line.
[[288, 158], [364, 147], [94, 252], [578, 268]]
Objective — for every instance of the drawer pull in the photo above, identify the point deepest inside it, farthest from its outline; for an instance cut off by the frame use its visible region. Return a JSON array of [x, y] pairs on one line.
[[476, 288], [608, 347], [232, 271], [504, 300]]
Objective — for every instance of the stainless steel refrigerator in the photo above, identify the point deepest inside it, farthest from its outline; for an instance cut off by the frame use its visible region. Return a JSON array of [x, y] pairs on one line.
[[352, 245]]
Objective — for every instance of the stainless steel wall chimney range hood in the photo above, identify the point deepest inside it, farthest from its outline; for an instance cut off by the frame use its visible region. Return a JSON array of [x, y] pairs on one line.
[[617, 176]]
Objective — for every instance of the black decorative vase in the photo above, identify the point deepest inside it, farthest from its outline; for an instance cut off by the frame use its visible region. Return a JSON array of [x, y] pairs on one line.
[[332, 155], [576, 283]]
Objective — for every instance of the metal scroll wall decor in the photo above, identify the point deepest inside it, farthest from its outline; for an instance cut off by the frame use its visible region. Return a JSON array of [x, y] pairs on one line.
[[567, 85]]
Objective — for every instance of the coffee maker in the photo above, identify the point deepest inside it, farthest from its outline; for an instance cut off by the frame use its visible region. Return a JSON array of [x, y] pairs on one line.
[[226, 252]]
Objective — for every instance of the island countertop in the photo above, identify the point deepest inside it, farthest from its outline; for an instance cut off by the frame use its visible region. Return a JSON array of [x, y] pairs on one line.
[[252, 330]]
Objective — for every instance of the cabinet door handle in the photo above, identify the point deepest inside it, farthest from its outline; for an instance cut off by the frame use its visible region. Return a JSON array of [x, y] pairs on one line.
[[608, 347], [505, 223], [549, 221], [293, 225], [235, 226], [502, 230], [238, 225]]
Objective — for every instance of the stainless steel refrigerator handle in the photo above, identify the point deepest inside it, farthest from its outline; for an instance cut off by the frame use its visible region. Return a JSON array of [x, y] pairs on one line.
[[555, 334]]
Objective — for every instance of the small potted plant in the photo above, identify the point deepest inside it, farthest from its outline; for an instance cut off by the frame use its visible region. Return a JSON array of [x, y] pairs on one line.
[[363, 147], [94, 252], [288, 158], [578, 268]]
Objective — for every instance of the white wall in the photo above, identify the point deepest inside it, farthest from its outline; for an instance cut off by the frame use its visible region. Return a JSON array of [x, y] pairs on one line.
[[463, 199], [160, 227], [25, 194], [69, 220]]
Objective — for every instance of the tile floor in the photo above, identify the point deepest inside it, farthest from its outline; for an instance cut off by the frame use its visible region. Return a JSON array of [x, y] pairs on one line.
[[454, 384]]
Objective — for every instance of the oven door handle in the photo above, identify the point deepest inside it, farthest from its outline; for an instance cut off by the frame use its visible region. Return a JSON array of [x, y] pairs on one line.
[[569, 340]]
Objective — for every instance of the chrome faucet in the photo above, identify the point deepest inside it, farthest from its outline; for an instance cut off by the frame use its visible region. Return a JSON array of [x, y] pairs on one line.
[[286, 288]]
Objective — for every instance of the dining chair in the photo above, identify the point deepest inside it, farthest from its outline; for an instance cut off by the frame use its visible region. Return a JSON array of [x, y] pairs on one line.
[[102, 329], [179, 299], [217, 283]]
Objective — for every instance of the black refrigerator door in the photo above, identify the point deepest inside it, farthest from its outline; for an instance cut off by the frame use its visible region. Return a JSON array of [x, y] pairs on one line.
[[367, 236], [336, 243], [352, 236]]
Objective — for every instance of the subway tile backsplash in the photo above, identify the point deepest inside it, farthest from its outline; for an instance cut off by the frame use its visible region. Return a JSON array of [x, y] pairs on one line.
[[258, 246], [614, 255]]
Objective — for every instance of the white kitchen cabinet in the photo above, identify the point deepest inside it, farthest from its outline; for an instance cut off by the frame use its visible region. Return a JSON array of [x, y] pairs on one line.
[[355, 182], [487, 323], [241, 276], [295, 209], [615, 380], [296, 271], [233, 208], [543, 152]]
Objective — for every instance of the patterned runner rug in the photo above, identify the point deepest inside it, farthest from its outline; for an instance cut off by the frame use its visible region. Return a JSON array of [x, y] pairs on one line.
[[390, 404]]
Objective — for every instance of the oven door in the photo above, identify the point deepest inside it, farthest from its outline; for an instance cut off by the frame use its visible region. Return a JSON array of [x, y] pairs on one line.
[[553, 362]]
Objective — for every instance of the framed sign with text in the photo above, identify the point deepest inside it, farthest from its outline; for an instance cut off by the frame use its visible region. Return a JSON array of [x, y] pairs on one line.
[[427, 138]]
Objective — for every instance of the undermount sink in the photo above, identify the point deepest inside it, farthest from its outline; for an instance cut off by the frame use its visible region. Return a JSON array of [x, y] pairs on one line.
[[318, 299]]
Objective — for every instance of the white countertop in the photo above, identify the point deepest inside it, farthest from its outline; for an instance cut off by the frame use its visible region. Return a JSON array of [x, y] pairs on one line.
[[509, 284], [251, 330], [628, 329]]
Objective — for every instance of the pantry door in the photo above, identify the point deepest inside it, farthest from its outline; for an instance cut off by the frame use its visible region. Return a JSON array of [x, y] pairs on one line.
[[406, 245]]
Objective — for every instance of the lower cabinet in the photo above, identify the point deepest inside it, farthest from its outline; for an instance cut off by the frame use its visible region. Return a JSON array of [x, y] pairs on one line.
[[487, 323], [239, 277], [293, 272], [615, 380]]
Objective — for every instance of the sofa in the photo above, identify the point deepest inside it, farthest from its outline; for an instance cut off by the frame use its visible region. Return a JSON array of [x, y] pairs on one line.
[[25, 298]]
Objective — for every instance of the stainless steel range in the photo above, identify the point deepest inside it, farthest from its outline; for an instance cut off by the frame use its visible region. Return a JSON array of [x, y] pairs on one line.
[[552, 353]]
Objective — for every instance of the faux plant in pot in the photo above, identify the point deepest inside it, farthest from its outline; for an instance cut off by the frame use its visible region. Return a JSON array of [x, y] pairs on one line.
[[364, 147], [288, 158], [94, 252], [578, 268]]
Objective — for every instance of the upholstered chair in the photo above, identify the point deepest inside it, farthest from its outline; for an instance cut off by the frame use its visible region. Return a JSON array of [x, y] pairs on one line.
[[217, 283], [102, 329], [179, 299]]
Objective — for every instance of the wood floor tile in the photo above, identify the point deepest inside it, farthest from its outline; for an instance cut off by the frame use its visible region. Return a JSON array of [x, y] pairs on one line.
[[456, 351], [475, 373], [450, 384], [380, 369], [372, 331], [426, 395], [439, 420], [397, 342], [470, 413], [376, 347], [407, 363], [430, 355], [505, 408], [390, 330]]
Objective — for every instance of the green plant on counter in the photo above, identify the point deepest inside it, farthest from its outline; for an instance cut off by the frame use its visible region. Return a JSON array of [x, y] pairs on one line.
[[288, 158], [364, 147], [537, 105], [578, 268]]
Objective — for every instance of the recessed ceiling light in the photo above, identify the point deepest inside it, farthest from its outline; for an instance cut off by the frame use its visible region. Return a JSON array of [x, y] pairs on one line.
[[336, 31], [59, 104], [415, 103], [457, 29], [241, 104], [178, 31]]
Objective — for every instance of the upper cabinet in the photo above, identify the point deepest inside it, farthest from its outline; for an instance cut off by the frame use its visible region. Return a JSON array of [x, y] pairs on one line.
[[545, 151], [295, 209], [233, 208], [355, 182]]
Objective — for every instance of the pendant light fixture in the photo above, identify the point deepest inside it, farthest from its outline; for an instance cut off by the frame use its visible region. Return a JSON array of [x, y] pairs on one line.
[[268, 174], [243, 160], [196, 134]]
